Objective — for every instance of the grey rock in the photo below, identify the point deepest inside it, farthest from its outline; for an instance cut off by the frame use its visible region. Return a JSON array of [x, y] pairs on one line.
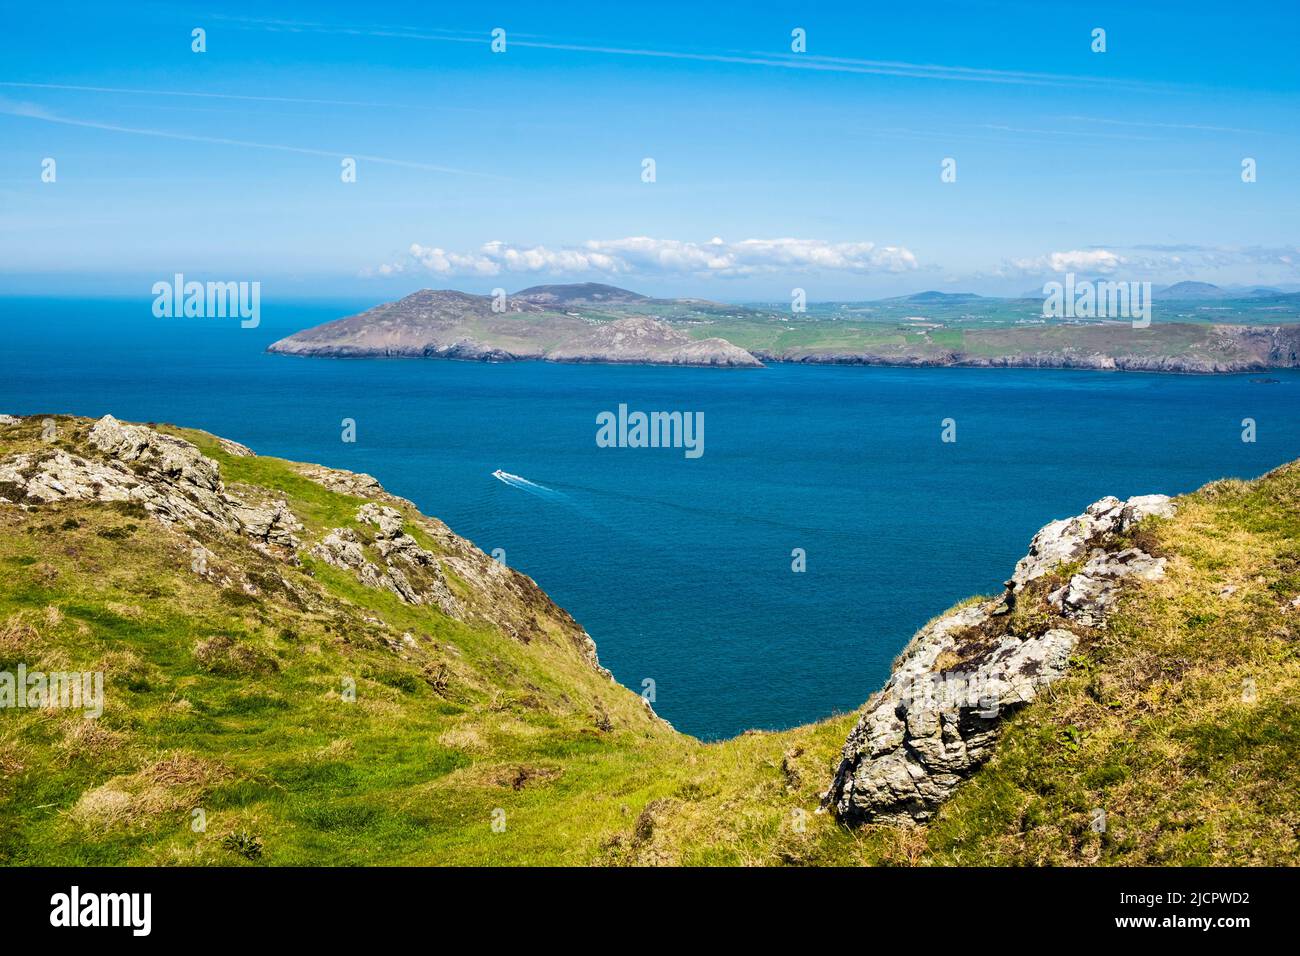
[[342, 548], [168, 476], [1089, 596], [928, 729], [1143, 506], [174, 458], [1065, 540], [235, 448], [938, 717], [272, 524], [389, 521], [1069, 539], [355, 483]]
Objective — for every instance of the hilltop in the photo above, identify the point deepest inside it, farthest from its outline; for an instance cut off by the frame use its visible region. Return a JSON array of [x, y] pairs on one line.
[[329, 676], [586, 293], [450, 324], [599, 323]]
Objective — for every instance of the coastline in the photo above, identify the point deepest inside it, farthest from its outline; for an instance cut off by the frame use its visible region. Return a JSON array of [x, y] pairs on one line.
[[765, 358]]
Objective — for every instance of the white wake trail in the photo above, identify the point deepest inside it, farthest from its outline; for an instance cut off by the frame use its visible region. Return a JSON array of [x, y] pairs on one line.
[[532, 487]]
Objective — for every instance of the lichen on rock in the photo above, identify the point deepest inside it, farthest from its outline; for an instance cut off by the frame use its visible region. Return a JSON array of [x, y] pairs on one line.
[[938, 716], [168, 476]]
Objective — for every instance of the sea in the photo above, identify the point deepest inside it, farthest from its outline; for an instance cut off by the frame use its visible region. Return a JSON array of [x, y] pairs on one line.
[[766, 582]]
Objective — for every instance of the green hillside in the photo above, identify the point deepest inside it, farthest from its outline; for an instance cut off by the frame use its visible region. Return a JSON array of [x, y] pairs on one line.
[[485, 734]]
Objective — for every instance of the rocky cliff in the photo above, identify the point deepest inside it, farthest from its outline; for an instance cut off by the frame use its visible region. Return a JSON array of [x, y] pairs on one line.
[[172, 481], [937, 718]]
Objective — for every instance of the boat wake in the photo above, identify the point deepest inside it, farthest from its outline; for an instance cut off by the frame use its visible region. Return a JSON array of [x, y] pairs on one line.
[[523, 484]]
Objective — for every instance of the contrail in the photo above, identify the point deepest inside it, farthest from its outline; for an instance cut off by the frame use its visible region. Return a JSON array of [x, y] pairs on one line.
[[779, 60], [199, 94], [31, 112]]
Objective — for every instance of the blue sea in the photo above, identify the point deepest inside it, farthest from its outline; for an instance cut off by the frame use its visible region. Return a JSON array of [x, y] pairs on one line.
[[680, 568]]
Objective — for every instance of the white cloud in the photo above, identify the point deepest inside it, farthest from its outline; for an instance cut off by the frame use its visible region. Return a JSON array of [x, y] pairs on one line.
[[1076, 260], [644, 255], [1165, 262]]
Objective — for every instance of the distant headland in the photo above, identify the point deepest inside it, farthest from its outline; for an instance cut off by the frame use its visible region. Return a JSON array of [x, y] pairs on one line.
[[1198, 328]]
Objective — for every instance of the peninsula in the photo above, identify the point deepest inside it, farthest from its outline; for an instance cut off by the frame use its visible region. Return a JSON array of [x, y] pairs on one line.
[[1193, 332]]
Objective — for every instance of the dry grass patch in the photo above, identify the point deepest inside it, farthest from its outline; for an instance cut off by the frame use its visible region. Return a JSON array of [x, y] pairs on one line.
[[89, 739], [518, 777], [463, 737], [17, 636], [170, 785], [227, 657]]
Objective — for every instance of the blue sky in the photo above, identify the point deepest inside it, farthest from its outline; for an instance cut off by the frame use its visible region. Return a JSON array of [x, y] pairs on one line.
[[774, 169]]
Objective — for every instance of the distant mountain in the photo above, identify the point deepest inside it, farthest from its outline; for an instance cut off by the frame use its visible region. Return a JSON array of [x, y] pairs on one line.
[[1208, 291], [1193, 290], [933, 296], [578, 294]]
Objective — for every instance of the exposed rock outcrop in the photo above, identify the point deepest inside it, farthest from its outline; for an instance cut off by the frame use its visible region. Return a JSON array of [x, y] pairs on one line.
[[343, 548], [1089, 596], [168, 476], [493, 594], [235, 448], [355, 483], [938, 716], [1070, 539]]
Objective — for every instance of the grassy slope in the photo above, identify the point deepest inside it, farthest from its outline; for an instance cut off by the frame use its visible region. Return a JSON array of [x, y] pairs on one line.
[[803, 338], [1151, 726]]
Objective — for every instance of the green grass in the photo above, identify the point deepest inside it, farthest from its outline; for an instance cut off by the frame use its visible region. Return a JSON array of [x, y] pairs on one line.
[[234, 705], [898, 341]]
